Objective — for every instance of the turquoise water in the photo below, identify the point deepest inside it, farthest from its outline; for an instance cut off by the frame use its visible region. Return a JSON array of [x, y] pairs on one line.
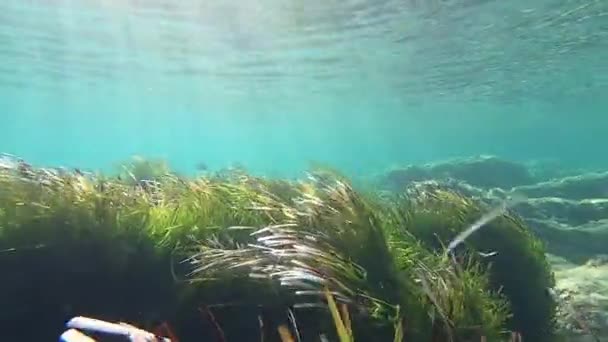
[[273, 85]]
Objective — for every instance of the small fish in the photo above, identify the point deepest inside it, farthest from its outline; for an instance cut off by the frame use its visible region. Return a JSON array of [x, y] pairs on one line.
[[202, 166]]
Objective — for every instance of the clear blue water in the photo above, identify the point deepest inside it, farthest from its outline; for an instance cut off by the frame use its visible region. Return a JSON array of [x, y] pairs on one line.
[[272, 85]]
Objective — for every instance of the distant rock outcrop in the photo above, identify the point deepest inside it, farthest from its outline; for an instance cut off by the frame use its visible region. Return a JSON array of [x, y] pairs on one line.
[[565, 211], [577, 244], [584, 186], [483, 171]]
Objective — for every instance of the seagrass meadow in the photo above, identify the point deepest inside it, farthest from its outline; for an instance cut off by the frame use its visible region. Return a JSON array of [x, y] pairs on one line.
[[233, 257]]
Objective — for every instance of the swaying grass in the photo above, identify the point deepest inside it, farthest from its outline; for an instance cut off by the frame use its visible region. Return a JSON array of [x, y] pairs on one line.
[[435, 215], [316, 249], [305, 249]]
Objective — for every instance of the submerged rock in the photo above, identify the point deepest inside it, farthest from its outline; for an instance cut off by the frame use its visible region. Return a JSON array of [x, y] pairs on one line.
[[585, 186], [574, 243], [483, 171], [548, 169], [566, 211]]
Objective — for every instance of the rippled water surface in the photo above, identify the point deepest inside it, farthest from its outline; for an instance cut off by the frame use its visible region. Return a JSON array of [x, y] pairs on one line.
[[389, 63]]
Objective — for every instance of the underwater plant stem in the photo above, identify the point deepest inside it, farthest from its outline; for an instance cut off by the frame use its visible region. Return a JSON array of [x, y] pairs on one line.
[[292, 319], [342, 330], [398, 330], [220, 332]]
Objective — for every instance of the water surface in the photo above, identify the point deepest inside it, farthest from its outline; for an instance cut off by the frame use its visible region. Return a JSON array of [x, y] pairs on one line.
[[274, 84]]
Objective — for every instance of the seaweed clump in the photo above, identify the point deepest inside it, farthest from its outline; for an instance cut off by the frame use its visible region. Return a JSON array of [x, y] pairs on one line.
[[141, 171], [515, 259], [250, 254], [72, 244]]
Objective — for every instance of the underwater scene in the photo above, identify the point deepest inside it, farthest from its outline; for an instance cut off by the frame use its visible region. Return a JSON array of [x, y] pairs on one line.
[[264, 170]]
